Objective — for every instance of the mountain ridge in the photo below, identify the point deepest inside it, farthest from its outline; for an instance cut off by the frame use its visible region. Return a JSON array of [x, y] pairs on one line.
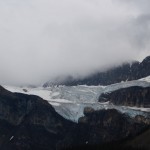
[[126, 71]]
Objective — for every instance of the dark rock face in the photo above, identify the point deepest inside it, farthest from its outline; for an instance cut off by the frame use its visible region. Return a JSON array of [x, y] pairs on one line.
[[142, 119], [125, 72], [29, 123], [132, 96], [109, 125], [141, 141]]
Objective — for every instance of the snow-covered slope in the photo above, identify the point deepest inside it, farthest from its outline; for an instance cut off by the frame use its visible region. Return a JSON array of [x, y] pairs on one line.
[[147, 79], [71, 101]]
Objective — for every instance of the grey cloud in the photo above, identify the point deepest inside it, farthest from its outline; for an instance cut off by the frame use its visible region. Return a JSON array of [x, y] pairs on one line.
[[40, 39], [142, 31]]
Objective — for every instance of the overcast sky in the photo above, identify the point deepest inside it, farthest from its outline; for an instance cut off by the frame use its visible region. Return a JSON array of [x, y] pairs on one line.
[[40, 39]]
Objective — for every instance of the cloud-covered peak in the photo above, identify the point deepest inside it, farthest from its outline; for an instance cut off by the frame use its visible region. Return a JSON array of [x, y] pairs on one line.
[[41, 39]]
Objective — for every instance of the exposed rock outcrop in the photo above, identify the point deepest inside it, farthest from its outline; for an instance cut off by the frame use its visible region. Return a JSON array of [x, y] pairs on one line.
[[30, 123], [109, 125], [132, 96], [142, 119]]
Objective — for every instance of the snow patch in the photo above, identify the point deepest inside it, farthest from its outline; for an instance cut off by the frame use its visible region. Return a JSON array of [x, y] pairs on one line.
[[11, 138], [146, 79]]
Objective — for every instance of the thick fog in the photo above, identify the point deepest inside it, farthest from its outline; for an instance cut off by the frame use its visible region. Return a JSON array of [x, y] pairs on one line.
[[41, 39]]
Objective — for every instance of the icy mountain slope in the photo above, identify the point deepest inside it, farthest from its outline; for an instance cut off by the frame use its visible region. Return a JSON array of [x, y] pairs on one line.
[[71, 101], [147, 79]]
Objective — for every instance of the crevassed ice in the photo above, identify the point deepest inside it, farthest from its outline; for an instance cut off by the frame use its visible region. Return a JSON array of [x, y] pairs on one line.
[[71, 101]]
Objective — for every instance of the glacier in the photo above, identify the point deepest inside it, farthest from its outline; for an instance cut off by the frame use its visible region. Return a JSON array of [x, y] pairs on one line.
[[70, 101]]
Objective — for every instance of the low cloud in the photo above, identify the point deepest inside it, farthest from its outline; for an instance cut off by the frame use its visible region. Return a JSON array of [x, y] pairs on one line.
[[41, 39]]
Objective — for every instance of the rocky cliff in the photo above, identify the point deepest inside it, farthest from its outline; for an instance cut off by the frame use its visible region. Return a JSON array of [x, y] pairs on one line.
[[109, 125], [28, 122], [132, 96]]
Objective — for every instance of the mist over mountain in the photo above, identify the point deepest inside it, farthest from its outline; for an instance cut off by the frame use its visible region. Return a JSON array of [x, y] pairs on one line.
[[41, 40], [121, 73], [74, 74]]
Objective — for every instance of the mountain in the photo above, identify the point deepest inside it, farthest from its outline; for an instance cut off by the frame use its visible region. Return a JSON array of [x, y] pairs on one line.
[[28, 122], [125, 72], [69, 101], [132, 96], [116, 116]]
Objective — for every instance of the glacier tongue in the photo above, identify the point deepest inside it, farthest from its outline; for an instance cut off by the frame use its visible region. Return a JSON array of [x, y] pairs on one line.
[[71, 101], [75, 111]]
